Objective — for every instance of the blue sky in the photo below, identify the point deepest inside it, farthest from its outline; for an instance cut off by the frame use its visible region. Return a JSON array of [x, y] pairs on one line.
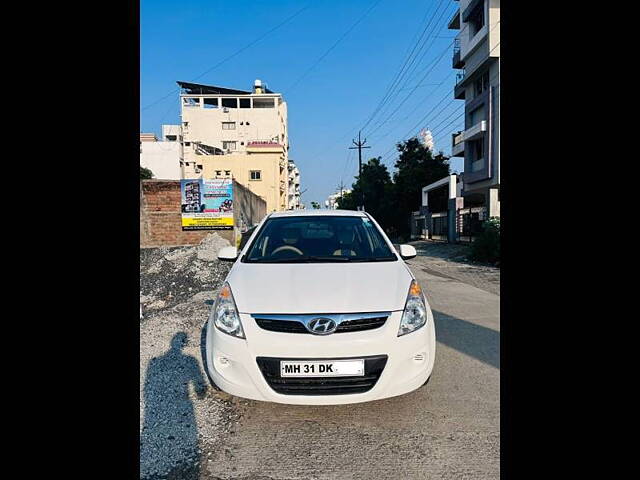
[[180, 40]]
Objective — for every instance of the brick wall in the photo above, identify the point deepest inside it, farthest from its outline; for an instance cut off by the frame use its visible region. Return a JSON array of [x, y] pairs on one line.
[[161, 217]]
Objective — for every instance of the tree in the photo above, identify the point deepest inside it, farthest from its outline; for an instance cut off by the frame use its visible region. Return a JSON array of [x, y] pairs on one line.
[[417, 167], [145, 173], [375, 183], [315, 205]]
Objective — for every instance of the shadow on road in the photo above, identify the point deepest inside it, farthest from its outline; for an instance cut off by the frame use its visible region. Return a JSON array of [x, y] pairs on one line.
[[474, 340], [169, 437]]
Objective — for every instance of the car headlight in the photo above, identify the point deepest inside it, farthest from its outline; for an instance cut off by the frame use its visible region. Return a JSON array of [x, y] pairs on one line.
[[415, 311], [225, 314]]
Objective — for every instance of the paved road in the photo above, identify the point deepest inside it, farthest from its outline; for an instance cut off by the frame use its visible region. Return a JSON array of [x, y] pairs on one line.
[[447, 430]]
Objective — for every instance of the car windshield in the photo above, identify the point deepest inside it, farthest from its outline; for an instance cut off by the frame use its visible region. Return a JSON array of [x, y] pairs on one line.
[[319, 239]]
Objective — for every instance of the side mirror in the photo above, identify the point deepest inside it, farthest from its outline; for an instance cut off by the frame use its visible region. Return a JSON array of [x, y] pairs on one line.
[[407, 252], [228, 254]]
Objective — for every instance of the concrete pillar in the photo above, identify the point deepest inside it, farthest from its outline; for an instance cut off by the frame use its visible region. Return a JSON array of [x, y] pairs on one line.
[[452, 210], [493, 204], [452, 234]]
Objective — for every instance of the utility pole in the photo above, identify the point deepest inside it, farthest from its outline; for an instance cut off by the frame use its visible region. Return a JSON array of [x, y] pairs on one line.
[[360, 145], [341, 187]]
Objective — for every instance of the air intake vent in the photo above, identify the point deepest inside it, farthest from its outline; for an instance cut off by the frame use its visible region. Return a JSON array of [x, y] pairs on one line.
[[296, 324]]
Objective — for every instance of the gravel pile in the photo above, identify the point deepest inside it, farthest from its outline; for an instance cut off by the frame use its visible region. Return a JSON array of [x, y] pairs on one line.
[[172, 275], [182, 418]]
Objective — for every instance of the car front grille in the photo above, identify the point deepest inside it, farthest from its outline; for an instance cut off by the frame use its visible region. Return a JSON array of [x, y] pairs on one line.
[[270, 368], [285, 326], [297, 326]]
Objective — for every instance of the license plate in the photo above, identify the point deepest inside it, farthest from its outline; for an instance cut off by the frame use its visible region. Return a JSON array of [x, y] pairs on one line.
[[320, 368]]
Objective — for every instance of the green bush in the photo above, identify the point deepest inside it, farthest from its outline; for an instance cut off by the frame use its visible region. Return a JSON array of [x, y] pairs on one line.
[[486, 247], [145, 173]]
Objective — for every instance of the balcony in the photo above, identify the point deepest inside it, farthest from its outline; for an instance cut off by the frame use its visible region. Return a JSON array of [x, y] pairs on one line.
[[459, 89], [476, 131], [457, 144], [457, 60], [255, 146]]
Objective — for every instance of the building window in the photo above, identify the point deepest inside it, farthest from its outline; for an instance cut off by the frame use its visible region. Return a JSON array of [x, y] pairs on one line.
[[248, 123], [210, 103], [255, 175], [171, 138], [230, 102], [218, 172], [245, 103], [476, 154], [228, 125], [227, 172], [476, 116], [481, 84], [476, 19], [187, 144], [263, 103], [226, 145], [191, 102]]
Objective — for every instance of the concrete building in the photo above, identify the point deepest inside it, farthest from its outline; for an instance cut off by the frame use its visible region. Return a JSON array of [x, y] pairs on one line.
[[293, 192], [148, 137], [171, 133], [259, 168], [437, 218], [332, 200], [238, 133], [162, 158], [477, 54]]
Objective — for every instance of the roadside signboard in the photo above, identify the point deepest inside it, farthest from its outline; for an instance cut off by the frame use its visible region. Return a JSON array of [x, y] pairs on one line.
[[206, 204]]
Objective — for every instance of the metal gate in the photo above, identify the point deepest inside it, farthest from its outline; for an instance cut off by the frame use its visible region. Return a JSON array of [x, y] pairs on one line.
[[469, 222], [439, 227]]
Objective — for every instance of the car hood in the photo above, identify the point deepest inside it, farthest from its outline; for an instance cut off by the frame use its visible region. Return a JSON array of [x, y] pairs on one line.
[[320, 287]]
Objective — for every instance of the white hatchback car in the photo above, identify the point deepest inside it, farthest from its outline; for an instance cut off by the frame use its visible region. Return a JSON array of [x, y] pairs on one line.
[[319, 309]]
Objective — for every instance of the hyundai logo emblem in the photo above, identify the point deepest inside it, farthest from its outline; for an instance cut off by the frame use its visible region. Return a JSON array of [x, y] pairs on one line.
[[322, 326]]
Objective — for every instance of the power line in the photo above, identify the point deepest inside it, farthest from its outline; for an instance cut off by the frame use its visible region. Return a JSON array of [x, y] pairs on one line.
[[441, 131], [237, 52], [411, 71], [344, 35], [418, 104], [414, 89], [399, 74]]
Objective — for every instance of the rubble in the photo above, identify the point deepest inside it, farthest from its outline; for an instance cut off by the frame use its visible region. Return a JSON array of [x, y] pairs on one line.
[[181, 415]]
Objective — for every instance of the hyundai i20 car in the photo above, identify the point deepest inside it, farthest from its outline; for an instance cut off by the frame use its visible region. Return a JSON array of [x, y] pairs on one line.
[[319, 308]]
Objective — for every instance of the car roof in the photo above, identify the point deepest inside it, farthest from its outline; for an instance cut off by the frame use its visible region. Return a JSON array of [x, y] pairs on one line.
[[318, 213]]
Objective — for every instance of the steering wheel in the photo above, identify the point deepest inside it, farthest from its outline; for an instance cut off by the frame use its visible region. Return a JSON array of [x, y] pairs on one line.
[[287, 247]]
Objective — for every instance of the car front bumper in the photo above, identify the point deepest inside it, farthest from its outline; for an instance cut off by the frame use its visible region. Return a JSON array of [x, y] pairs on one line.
[[233, 366]]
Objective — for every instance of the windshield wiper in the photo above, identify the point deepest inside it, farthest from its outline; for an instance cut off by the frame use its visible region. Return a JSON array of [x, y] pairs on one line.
[[306, 259], [373, 259]]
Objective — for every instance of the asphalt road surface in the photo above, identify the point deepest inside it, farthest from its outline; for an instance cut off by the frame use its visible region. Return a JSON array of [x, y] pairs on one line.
[[448, 429]]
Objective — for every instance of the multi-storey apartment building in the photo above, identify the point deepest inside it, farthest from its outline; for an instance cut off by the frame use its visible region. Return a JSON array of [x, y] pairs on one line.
[[477, 54], [332, 200], [236, 133], [293, 192]]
